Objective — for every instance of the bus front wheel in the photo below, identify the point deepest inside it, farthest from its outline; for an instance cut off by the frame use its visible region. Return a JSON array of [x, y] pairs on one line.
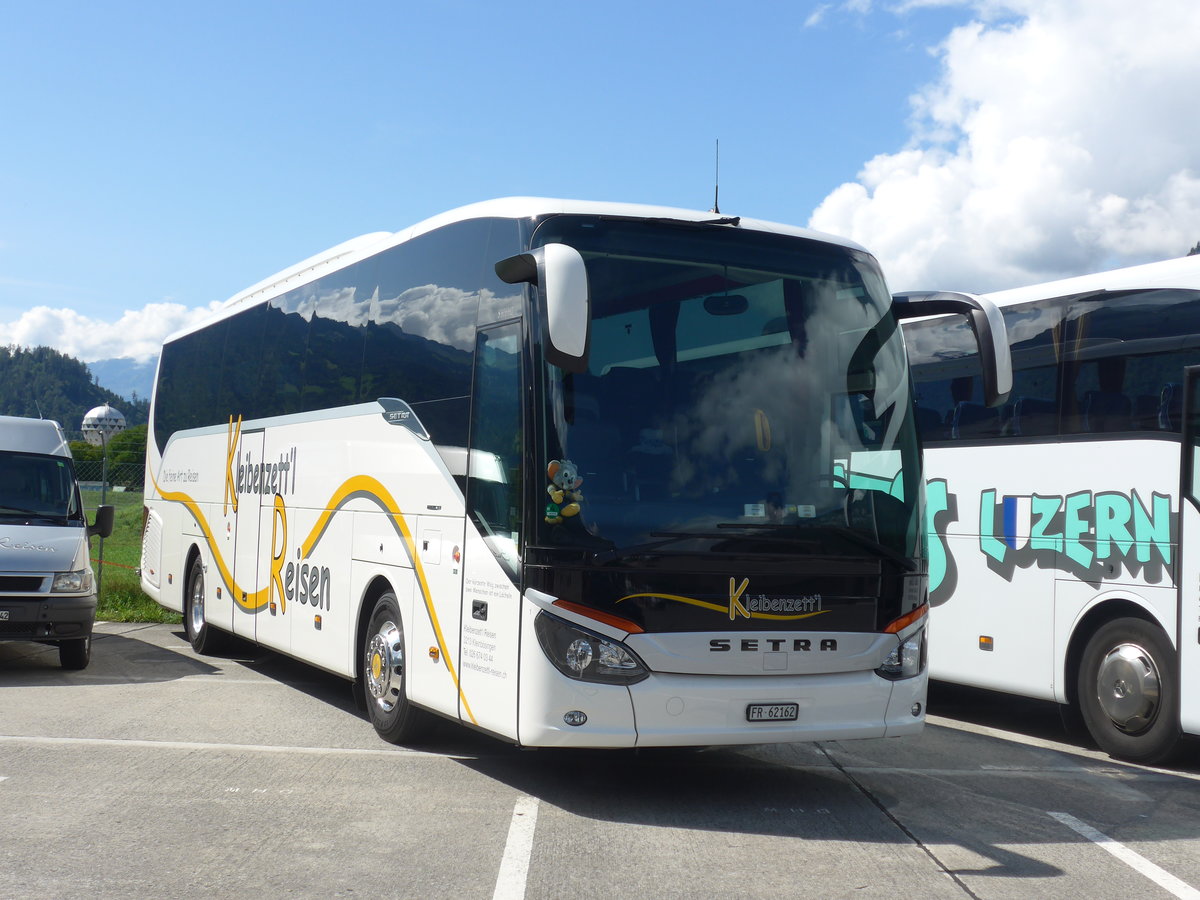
[[1127, 691], [384, 673]]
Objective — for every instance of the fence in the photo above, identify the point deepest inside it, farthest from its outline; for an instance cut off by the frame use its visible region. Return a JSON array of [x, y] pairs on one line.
[[120, 476]]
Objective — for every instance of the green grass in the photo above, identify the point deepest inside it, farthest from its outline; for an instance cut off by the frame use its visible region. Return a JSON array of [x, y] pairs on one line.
[[121, 597]]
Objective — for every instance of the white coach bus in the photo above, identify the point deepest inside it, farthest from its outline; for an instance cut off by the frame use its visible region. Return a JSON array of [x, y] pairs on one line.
[[573, 474], [1064, 535]]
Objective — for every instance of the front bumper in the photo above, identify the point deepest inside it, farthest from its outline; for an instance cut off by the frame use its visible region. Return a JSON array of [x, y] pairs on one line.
[[46, 618]]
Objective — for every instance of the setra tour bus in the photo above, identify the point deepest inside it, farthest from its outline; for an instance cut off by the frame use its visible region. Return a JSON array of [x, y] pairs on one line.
[[570, 473], [1064, 526]]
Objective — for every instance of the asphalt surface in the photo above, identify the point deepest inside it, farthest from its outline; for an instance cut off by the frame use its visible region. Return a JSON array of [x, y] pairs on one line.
[[158, 773]]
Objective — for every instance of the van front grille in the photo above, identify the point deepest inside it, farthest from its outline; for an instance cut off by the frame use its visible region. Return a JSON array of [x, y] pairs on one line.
[[21, 584]]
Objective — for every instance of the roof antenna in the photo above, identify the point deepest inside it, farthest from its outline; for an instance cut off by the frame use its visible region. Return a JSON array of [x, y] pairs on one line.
[[717, 182]]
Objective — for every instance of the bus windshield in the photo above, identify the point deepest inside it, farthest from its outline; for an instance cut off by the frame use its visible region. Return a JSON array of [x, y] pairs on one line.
[[741, 385]]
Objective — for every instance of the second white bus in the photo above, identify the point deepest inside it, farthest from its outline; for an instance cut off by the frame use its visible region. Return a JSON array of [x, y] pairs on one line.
[[1064, 530]]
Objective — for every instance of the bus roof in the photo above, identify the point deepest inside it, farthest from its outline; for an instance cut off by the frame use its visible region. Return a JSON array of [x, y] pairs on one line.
[[1181, 273], [505, 208]]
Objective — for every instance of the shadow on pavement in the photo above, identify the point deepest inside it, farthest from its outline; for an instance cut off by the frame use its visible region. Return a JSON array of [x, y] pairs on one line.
[[116, 659]]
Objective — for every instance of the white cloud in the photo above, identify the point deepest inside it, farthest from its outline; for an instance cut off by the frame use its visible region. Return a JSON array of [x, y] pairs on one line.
[[137, 334], [1056, 141], [816, 16]]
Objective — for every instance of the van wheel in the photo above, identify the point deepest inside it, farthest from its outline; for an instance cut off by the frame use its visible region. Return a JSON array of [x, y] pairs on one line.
[[384, 674], [75, 653], [202, 637], [1127, 692]]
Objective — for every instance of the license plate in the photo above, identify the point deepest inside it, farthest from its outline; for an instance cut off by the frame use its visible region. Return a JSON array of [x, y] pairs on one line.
[[772, 712]]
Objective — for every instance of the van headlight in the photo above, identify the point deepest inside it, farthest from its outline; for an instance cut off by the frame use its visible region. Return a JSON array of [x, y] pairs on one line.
[[72, 582], [907, 658], [585, 655]]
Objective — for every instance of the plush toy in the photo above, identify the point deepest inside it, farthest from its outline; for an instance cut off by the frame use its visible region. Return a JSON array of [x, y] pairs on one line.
[[563, 490]]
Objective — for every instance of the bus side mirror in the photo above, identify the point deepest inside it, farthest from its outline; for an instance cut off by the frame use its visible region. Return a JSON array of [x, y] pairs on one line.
[[104, 522], [995, 359], [565, 314]]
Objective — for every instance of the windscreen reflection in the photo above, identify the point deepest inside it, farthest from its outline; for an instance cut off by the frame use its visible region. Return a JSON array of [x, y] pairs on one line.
[[740, 385]]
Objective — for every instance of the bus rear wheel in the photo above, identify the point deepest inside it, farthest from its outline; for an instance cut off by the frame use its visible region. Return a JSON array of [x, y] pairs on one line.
[[1127, 691], [384, 674], [203, 638]]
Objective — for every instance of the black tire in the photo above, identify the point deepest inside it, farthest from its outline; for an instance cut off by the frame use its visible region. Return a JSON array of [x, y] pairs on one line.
[[1127, 692], [75, 653], [384, 676], [202, 636]]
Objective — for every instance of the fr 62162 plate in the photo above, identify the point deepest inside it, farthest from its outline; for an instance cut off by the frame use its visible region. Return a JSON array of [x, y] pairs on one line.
[[772, 712]]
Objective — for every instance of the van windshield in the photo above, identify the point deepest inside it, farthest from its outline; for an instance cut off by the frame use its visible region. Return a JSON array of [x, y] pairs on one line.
[[34, 486]]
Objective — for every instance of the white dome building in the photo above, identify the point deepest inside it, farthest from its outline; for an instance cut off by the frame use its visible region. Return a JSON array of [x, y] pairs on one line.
[[101, 424]]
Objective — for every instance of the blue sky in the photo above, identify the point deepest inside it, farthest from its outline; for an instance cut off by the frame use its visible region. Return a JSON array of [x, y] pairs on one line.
[[156, 158]]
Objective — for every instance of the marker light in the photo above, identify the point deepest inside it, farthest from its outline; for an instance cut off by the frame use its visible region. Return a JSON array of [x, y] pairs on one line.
[[585, 655], [575, 717]]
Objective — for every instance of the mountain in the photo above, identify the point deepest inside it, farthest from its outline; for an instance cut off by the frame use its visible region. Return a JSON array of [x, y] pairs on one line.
[[125, 377], [41, 382]]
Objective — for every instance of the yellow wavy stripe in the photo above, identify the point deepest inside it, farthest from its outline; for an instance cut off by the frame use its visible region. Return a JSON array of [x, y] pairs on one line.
[[362, 485], [254, 601], [373, 489], [724, 609]]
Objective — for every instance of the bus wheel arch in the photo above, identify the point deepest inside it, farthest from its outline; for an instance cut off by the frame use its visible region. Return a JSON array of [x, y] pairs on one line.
[[1122, 680], [382, 666]]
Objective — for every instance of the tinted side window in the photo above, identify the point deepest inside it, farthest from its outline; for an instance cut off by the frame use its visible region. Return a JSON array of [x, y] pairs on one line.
[[400, 324], [189, 374], [1125, 355], [946, 373], [239, 391], [948, 385], [1034, 337], [420, 321]]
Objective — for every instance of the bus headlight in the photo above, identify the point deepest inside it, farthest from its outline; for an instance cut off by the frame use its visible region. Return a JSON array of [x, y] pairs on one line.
[[585, 655], [906, 660], [71, 582]]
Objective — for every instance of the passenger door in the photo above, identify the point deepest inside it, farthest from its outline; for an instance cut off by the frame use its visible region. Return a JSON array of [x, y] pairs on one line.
[[491, 612], [246, 536], [1189, 557]]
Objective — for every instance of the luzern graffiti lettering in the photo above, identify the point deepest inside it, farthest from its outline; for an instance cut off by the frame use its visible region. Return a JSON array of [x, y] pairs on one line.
[[1092, 536]]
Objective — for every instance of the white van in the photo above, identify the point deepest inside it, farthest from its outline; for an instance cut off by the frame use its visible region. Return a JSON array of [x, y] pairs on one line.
[[47, 588]]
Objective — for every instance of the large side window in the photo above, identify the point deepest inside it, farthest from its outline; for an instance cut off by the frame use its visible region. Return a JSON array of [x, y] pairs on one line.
[[239, 391], [420, 322], [1191, 431], [948, 383], [946, 380], [494, 463], [1125, 356], [189, 375]]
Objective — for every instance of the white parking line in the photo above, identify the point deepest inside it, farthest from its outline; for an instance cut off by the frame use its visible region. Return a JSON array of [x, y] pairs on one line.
[[1016, 737], [247, 748], [1138, 863], [514, 866]]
